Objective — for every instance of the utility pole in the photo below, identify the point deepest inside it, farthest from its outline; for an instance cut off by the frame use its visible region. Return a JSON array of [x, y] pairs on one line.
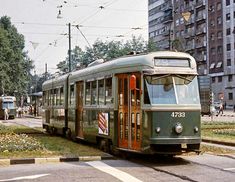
[[69, 52]]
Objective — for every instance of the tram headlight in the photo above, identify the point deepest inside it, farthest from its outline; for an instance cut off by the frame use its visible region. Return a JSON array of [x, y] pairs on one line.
[[157, 129], [178, 128], [196, 129]]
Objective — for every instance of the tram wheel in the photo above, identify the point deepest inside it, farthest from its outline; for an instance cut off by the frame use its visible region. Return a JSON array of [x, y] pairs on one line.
[[104, 145]]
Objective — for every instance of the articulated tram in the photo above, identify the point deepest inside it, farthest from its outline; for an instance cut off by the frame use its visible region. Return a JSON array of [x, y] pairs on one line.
[[143, 103]]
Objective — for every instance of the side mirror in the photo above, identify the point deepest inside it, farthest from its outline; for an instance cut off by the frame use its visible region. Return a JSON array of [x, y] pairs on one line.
[[132, 82]]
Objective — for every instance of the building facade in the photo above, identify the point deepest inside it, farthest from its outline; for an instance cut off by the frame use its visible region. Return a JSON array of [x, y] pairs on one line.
[[206, 30]]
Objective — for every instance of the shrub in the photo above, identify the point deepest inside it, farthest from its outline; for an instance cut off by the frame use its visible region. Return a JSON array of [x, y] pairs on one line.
[[18, 142]]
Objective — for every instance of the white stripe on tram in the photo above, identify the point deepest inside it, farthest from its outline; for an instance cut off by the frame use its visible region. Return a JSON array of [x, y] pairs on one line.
[[113, 171]]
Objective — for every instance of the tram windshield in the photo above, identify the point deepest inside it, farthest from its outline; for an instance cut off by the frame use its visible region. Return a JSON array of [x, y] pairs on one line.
[[9, 105], [171, 89]]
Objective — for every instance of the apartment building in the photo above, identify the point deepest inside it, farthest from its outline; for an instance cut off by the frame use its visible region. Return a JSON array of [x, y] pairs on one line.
[[221, 15], [206, 30]]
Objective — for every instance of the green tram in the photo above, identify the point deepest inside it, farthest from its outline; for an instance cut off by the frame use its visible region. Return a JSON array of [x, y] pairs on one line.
[[143, 103], [8, 102]]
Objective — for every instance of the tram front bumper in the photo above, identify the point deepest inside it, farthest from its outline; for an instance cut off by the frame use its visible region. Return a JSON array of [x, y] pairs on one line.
[[165, 141]]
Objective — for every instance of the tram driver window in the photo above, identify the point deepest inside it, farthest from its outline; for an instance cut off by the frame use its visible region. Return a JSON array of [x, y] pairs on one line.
[[108, 91]]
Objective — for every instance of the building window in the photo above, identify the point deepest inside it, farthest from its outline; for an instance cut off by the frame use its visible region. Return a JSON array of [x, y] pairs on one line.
[[213, 51], [219, 20], [213, 79], [177, 22], [212, 36], [230, 96], [227, 2], [212, 22], [219, 6], [219, 49], [212, 8], [228, 47], [230, 78], [181, 21], [228, 62], [219, 78], [227, 16], [228, 31], [219, 35]]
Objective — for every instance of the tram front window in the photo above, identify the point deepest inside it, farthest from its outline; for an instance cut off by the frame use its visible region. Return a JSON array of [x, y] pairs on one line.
[[172, 89], [9, 105]]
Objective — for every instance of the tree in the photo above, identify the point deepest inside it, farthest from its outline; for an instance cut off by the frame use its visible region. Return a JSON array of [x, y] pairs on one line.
[[151, 46], [15, 65]]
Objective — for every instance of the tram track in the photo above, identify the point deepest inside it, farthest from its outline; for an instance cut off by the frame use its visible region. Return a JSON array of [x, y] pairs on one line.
[[176, 167]]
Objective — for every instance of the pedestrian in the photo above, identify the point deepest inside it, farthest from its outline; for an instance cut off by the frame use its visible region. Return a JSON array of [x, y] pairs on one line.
[[221, 110], [6, 115]]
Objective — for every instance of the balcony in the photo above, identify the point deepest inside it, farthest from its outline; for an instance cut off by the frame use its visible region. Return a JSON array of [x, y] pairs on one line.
[[166, 33], [200, 44], [200, 3], [190, 47], [200, 57], [190, 21], [201, 31], [189, 8], [189, 34], [201, 17], [167, 19]]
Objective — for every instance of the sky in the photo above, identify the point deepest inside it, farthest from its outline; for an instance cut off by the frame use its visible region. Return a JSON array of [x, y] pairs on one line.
[[46, 35]]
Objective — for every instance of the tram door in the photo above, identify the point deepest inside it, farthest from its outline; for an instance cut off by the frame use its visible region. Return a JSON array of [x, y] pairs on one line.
[[79, 123], [129, 113]]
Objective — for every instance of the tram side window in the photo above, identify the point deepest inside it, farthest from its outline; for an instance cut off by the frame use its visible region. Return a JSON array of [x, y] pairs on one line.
[[93, 93], [88, 93], [61, 96], [72, 98], [47, 97], [101, 92], [51, 97], [57, 96], [108, 91]]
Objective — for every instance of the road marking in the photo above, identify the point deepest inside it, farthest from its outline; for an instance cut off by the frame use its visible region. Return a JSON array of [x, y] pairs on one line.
[[25, 177], [229, 169], [113, 171]]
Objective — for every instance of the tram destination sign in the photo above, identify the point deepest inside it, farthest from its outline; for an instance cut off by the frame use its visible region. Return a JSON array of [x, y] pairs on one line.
[[169, 62]]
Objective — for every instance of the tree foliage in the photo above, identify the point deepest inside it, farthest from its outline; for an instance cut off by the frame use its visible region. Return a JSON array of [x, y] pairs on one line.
[[106, 50], [15, 65]]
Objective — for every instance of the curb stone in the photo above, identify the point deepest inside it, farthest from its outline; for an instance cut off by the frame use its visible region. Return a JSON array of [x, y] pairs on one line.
[[7, 162]]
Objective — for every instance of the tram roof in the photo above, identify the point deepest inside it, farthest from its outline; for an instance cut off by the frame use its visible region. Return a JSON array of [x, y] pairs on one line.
[[127, 64], [120, 65]]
